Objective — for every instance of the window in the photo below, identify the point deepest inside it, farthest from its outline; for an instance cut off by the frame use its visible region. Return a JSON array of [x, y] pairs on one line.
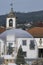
[[10, 49], [24, 53], [2, 53], [24, 42], [10, 44], [32, 45], [7, 60], [10, 22]]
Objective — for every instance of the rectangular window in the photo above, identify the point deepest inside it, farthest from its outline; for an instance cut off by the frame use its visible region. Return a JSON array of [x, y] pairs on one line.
[[24, 53], [32, 45], [10, 43], [24, 42]]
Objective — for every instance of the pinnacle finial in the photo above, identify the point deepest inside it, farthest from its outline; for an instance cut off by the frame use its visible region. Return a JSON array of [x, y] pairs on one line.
[[11, 7]]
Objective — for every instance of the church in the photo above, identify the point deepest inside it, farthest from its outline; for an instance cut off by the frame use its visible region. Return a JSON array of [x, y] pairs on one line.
[[15, 38]]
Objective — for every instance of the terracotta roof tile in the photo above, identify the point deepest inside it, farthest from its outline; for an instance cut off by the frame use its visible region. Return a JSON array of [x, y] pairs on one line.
[[2, 29], [36, 31]]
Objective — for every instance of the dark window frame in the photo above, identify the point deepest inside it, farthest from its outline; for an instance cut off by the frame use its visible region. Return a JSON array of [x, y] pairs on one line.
[[10, 44], [32, 45], [10, 22], [24, 42], [24, 53]]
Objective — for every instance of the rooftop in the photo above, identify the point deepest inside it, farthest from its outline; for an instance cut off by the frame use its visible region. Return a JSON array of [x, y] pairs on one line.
[[18, 33], [36, 32], [2, 29]]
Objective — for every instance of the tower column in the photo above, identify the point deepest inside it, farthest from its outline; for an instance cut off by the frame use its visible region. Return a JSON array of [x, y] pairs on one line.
[[11, 19]]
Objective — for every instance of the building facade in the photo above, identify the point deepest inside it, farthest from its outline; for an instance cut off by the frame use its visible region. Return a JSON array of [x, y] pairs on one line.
[[12, 38], [37, 33]]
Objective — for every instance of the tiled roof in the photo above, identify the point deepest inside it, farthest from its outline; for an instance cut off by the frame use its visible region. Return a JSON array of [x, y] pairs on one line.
[[39, 24], [36, 32], [2, 29]]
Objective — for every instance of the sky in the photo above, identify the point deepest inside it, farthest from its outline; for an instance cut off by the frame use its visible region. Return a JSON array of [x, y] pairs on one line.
[[20, 6]]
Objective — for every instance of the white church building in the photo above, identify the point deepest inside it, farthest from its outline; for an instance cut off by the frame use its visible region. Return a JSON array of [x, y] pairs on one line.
[[16, 37]]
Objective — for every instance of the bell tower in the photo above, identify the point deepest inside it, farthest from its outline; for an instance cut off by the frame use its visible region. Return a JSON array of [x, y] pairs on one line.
[[11, 19]]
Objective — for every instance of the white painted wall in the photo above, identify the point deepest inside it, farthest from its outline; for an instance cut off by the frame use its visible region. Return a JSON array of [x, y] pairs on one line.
[[1, 46], [38, 42], [31, 54], [12, 64], [10, 39]]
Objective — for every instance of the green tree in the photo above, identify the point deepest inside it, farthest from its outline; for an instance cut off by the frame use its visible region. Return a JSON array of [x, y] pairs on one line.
[[20, 57], [10, 50]]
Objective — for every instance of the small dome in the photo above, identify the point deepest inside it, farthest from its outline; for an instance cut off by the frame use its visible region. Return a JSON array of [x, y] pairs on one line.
[[11, 14], [18, 33]]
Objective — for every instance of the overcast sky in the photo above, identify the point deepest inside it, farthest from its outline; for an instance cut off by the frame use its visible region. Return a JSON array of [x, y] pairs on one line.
[[21, 5]]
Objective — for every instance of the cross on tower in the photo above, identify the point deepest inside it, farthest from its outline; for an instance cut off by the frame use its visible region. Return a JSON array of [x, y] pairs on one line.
[[11, 7]]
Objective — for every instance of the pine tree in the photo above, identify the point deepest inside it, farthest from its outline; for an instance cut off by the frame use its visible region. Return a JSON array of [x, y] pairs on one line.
[[20, 57]]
